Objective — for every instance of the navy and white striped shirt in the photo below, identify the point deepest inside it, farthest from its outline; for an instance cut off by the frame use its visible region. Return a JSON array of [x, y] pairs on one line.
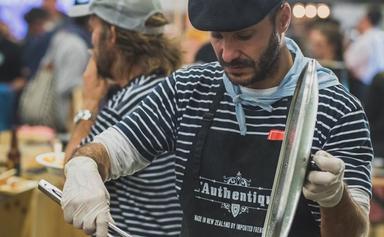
[[146, 203], [169, 119]]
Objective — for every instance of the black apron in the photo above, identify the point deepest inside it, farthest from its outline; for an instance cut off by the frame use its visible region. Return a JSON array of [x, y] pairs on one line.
[[227, 184]]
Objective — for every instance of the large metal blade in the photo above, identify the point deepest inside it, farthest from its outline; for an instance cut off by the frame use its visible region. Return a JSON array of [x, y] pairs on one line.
[[294, 155]]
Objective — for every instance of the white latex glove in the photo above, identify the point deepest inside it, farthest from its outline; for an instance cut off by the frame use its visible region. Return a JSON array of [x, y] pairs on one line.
[[325, 187], [85, 200]]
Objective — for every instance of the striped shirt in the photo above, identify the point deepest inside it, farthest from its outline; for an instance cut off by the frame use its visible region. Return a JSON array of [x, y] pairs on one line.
[[170, 118], [146, 203]]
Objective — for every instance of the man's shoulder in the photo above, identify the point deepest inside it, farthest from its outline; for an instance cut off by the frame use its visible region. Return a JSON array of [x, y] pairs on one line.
[[200, 77], [338, 97], [206, 70], [135, 92]]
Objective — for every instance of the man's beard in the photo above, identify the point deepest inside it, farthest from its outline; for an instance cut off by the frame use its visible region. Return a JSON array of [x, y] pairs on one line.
[[263, 69], [104, 61]]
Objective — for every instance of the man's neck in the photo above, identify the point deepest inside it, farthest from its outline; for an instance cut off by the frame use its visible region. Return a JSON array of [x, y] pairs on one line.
[[124, 77]]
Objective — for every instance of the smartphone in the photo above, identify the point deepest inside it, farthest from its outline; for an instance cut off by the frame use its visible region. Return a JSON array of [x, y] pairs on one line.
[[55, 194]]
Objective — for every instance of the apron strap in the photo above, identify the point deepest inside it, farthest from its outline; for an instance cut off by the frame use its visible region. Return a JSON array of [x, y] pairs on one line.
[[192, 171], [198, 147]]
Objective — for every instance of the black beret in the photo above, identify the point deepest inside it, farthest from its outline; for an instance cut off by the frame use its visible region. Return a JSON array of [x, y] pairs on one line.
[[228, 15]]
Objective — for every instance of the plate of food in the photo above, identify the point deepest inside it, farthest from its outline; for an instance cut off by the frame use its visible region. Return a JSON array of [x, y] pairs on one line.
[[53, 161], [15, 185]]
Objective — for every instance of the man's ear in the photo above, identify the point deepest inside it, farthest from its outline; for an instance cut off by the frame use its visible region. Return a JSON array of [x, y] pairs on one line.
[[284, 18], [112, 36]]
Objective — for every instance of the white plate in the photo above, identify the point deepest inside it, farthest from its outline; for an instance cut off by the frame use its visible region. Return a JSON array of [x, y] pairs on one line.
[[53, 161], [15, 185]]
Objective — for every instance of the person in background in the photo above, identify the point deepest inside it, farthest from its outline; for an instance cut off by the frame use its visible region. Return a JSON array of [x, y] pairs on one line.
[[365, 56], [36, 19], [325, 43], [12, 77], [205, 54], [136, 55], [11, 69], [36, 41], [55, 16], [67, 56], [220, 121]]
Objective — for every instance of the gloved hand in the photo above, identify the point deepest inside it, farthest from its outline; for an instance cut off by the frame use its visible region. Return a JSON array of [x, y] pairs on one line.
[[85, 200], [325, 187]]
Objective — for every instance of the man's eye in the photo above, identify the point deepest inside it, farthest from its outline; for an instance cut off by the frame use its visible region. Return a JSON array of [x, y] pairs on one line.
[[244, 37], [216, 35]]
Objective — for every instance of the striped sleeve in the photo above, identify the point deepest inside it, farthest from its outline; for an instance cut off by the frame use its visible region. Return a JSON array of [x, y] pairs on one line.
[[151, 128], [349, 140]]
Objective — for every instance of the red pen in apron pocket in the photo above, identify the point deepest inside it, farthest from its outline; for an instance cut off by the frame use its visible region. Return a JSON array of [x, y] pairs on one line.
[[276, 135]]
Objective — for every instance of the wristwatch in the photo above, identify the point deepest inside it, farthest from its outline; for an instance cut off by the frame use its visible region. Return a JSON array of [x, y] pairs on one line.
[[83, 114]]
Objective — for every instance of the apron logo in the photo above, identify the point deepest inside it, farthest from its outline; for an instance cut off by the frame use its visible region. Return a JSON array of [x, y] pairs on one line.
[[234, 193], [236, 209], [238, 180]]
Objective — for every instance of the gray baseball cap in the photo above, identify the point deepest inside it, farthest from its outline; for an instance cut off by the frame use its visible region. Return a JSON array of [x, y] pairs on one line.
[[127, 14]]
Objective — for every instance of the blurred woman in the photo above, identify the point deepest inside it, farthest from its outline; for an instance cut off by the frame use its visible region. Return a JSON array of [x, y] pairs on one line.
[[326, 43]]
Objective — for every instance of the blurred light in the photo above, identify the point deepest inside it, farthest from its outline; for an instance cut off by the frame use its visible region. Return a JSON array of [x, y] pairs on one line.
[[298, 10], [310, 11], [323, 11]]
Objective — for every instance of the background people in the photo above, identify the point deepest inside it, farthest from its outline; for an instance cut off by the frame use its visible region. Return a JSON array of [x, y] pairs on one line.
[[325, 43], [36, 42], [65, 60], [12, 77], [365, 56]]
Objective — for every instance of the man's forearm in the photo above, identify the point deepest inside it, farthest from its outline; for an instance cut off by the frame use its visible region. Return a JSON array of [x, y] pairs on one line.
[[345, 219], [80, 131], [82, 128], [99, 154]]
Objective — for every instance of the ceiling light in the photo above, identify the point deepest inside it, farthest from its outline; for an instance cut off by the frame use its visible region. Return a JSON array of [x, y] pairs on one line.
[[323, 11], [310, 11], [298, 10]]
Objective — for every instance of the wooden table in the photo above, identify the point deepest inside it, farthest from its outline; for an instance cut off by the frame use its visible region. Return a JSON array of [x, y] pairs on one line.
[[31, 213]]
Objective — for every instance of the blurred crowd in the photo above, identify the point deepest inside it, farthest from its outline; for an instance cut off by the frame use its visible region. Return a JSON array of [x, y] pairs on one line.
[[57, 46], [54, 44]]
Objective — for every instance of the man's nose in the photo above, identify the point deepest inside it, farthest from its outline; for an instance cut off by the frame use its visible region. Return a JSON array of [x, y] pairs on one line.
[[229, 51]]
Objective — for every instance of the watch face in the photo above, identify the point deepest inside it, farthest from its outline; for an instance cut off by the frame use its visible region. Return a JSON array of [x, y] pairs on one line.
[[87, 115], [83, 115]]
